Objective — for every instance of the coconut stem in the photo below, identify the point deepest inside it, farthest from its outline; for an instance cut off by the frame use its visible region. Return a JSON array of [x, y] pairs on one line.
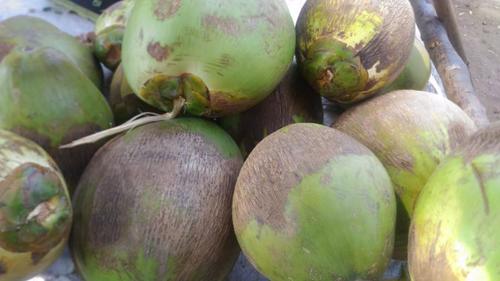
[[334, 70], [131, 124]]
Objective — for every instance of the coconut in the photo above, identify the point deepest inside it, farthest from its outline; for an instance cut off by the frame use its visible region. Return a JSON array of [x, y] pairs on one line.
[[416, 73], [410, 132], [350, 49], [122, 100], [220, 57], [46, 98], [109, 29], [35, 209], [155, 204], [455, 226], [25, 33], [293, 101], [311, 203]]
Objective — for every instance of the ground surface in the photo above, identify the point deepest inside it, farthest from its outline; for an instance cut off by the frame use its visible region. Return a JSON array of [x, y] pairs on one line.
[[479, 22]]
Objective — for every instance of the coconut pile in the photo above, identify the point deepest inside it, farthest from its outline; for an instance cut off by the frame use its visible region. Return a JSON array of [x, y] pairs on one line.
[[239, 141]]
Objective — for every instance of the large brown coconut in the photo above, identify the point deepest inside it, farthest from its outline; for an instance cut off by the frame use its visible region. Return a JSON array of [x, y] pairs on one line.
[[155, 204]]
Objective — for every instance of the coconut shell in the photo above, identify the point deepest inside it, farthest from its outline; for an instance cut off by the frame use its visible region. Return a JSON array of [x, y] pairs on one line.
[[122, 100], [222, 57], [25, 33], [455, 226], [109, 29], [155, 204], [243, 270], [35, 209], [45, 98], [350, 49], [311, 203], [416, 73], [410, 132], [293, 101]]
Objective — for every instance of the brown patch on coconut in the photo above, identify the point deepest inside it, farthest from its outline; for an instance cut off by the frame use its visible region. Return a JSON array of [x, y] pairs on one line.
[[227, 25], [165, 9], [484, 141], [158, 52]]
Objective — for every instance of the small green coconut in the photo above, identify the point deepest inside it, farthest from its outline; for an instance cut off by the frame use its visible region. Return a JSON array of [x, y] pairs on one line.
[[122, 100], [455, 226], [416, 74], [293, 101], [46, 98], [217, 57], [311, 203], [350, 49], [35, 209], [26, 33], [155, 205], [410, 132], [109, 29]]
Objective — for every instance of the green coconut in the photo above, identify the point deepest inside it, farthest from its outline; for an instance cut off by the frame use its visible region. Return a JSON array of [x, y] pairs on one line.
[[293, 101], [109, 29], [410, 132], [219, 57], [25, 33], [311, 203], [46, 98], [350, 49], [122, 100], [155, 204], [455, 226], [416, 74], [35, 209]]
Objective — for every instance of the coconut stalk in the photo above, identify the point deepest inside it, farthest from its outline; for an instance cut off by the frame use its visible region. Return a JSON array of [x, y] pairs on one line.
[[446, 13], [452, 69]]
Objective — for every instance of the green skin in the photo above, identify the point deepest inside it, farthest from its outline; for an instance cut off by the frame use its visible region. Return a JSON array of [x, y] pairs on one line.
[[455, 226], [233, 56], [25, 32], [329, 239], [42, 92], [128, 263], [417, 71], [45, 98], [109, 29], [349, 49], [35, 208]]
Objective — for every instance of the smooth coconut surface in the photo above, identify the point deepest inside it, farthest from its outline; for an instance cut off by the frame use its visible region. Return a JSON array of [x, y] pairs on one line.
[[28, 33], [221, 57], [454, 232], [45, 98], [34, 206], [311, 203], [155, 204], [350, 49]]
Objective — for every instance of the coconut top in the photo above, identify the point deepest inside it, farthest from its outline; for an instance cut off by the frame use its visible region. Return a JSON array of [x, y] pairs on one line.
[[350, 49], [35, 208], [31, 33]]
